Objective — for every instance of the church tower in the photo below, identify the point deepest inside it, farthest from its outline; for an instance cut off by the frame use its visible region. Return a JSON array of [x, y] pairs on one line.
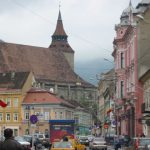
[[60, 42], [127, 15]]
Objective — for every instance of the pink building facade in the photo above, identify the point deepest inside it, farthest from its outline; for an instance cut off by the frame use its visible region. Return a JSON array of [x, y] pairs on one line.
[[129, 93]]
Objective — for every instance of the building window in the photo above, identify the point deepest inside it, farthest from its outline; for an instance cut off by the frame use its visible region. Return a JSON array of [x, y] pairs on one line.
[[46, 115], [8, 117], [26, 115], [122, 89], [37, 113], [122, 60], [1, 116], [56, 115], [15, 116], [8, 102], [61, 115], [15, 102], [15, 132]]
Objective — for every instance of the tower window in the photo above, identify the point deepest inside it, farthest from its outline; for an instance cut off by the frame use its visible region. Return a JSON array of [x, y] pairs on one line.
[[122, 60]]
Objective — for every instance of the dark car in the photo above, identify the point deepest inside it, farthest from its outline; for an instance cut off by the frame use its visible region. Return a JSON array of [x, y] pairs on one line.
[[109, 139], [84, 140]]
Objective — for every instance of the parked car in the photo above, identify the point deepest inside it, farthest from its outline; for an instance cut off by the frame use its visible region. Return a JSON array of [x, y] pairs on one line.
[[23, 142], [109, 139], [28, 138], [83, 140], [98, 143], [142, 142], [40, 137], [90, 137]]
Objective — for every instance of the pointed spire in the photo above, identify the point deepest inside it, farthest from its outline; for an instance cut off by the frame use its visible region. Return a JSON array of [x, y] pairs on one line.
[[130, 13], [59, 31], [130, 4], [59, 16]]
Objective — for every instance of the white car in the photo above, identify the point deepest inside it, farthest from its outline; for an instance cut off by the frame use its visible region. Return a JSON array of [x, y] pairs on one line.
[[90, 137], [98, 143]]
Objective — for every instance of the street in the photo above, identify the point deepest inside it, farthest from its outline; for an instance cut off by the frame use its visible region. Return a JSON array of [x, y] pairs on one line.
[[108, 148]]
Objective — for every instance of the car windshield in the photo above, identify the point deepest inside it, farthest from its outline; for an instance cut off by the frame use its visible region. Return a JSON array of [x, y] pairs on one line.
[[62, 145], [41, 136], [83, 137], [99, 139]]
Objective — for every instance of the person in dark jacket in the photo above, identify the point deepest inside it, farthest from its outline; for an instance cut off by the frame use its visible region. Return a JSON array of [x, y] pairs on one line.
[[9, 143], [0, 145]]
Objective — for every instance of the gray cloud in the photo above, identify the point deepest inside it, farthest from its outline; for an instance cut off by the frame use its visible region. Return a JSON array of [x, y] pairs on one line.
[[89, 23]]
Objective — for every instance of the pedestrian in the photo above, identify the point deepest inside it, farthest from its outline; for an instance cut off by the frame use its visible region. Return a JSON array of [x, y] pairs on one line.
[[0, 144], [117, 144], [65, 138], [9, 143]]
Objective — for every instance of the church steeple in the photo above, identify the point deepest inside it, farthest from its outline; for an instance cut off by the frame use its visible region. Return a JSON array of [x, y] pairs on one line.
[[59, 34], [60, 42]]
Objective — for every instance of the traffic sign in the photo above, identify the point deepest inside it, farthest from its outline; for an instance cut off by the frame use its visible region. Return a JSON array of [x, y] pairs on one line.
[[33, 119], [106, 126]]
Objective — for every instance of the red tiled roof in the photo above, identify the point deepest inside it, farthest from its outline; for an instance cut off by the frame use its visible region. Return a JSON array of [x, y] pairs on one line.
[[38, 96]]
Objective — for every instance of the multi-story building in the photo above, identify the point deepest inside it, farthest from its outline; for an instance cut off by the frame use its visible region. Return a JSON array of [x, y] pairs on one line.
[[145, 79], [129, 93], [106, 113], [13, 86], [143, 30], [45, 106]]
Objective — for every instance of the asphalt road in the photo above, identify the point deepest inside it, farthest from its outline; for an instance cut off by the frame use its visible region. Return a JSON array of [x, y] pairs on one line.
[[108, 148]]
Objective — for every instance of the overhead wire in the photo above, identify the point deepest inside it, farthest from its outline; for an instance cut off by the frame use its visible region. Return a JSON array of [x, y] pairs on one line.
[[75, 35], [47, 20]]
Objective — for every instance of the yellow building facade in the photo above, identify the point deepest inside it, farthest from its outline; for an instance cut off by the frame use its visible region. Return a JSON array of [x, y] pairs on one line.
[[11, 115]]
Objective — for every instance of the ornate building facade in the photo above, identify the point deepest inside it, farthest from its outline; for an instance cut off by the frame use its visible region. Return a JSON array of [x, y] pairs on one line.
[[129, 95]]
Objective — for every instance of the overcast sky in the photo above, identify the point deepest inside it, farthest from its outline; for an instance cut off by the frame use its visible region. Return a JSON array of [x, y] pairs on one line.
[[88, 23]]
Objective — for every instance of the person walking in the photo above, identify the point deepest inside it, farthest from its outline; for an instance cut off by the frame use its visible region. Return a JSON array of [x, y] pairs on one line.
[[9, 143], [117, 144]]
